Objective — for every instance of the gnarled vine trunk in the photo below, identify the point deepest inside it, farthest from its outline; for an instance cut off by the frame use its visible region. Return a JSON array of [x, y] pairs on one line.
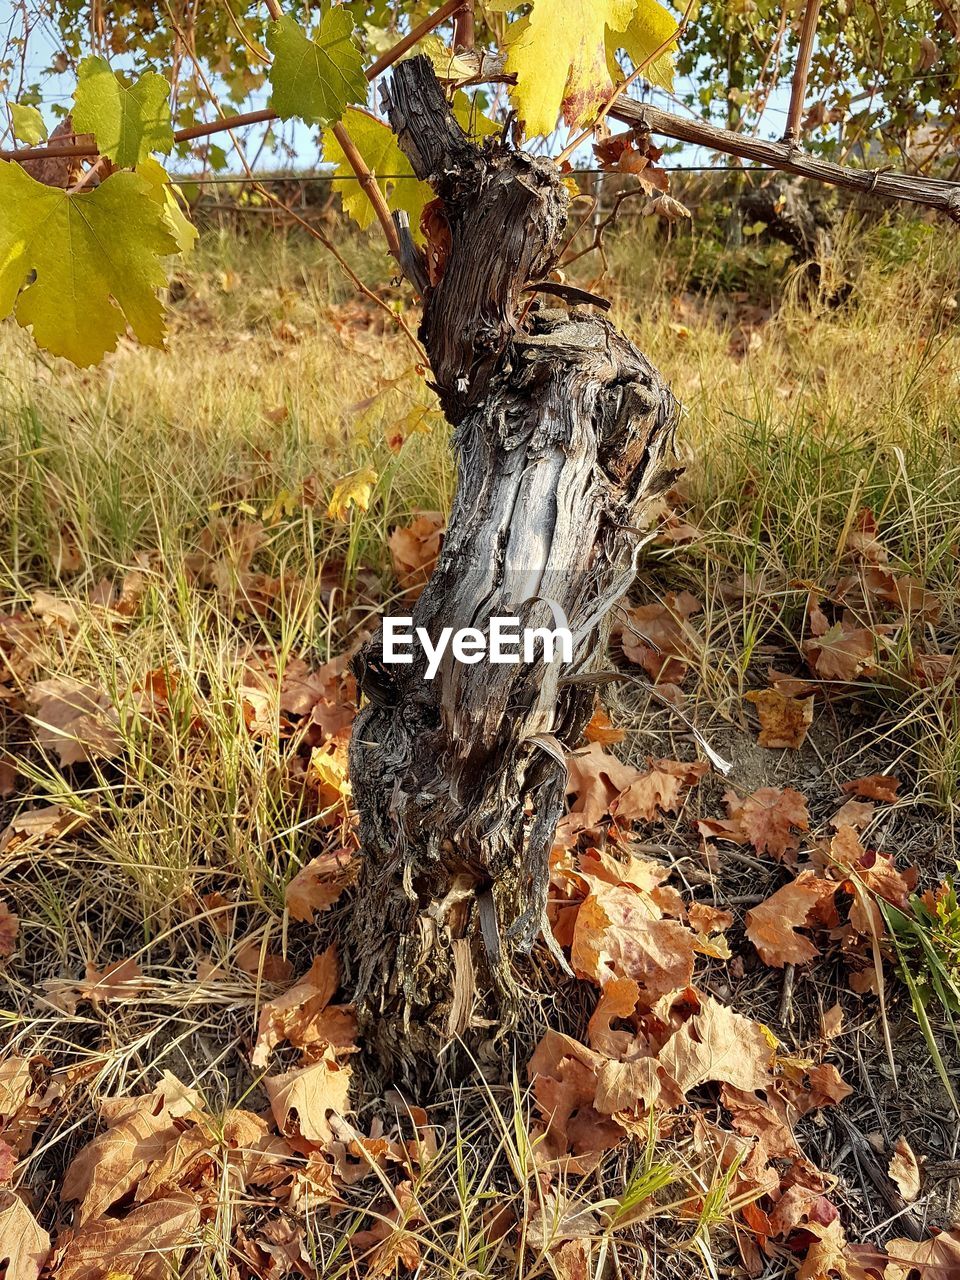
[[563, 436]]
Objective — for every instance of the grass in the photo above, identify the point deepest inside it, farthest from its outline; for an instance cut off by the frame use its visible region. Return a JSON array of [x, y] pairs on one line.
[[198, 467]]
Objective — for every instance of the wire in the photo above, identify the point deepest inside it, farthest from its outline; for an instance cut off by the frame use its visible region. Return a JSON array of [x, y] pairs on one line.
[[242, 179]]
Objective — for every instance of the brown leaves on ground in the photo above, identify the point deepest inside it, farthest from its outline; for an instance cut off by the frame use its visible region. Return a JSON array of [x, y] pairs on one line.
[[772, 926], [934, 1259], [122, 980], [9, 928], [660, 637], [144, 1186], [77, 721], [24, 1245], [784, 722], [602, 786], [878, 786], [35, 828], [904, 1170], [770, 819], [302, 1015], [303, 1098], [414, 549], [320, 883]]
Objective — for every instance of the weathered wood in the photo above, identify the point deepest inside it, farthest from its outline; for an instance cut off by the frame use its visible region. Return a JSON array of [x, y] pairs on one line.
[[563, 435], [885, 184]]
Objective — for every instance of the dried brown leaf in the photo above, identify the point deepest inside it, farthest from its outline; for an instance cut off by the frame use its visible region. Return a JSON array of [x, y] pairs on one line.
[[144, 1243], [320, 883], [877, 786], [904, 1170], [24, 1245], [772, 926], [784, 722], [719, 1045], [303, 1099], [302, 1016]]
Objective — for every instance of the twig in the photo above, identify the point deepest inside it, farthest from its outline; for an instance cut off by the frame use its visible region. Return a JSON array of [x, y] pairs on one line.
[[245, 118], [931, 192], [464, 32], [801, 74], [370, 186], [786, 999], [412, 37]]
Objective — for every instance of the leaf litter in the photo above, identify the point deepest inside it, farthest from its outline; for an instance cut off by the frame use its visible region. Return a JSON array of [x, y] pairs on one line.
[[664, 1051]]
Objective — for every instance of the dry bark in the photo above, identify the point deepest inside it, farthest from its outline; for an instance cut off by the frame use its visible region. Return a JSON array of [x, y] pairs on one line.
[[563, 434]]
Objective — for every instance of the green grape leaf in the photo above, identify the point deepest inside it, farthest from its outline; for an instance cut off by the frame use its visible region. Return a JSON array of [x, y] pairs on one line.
[[315, 79], [28, 124], [168, 195], [561, 51], [127, 123], [96, 256]]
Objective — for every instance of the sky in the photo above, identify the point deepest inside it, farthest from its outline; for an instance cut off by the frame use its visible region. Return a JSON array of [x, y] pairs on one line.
[[57, 90]]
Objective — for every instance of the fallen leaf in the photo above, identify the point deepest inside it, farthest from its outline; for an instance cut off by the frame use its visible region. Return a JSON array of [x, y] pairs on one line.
[[302, 1017], [616, 936], [303, 1099], [831, 1022], [719, 1045], [122, 980], [265, 966], [109, 1167], [630, 1086], [76, 720], [854, 814], [414, 549], [32, 828], [935, 1259], [144, 1243], [904, 1170], [658, 637], [770, 819], [784, 722], [706, 919], [877, 786], [601, 729], [772, 926], [618, 1000], [841, 654], [595, 779], [24, 1245], [9, 928], [320, 883]]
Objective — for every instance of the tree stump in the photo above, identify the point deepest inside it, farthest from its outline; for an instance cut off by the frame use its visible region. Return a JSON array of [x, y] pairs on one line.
[[563, 435]]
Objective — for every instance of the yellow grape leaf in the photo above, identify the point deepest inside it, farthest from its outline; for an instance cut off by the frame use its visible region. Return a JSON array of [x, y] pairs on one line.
[[127, 122], [168, 195], [651, 27], [28, 124], [96, 256], [471, 119], [353, 490], [315, 79], [561, 52], [378, 146]]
